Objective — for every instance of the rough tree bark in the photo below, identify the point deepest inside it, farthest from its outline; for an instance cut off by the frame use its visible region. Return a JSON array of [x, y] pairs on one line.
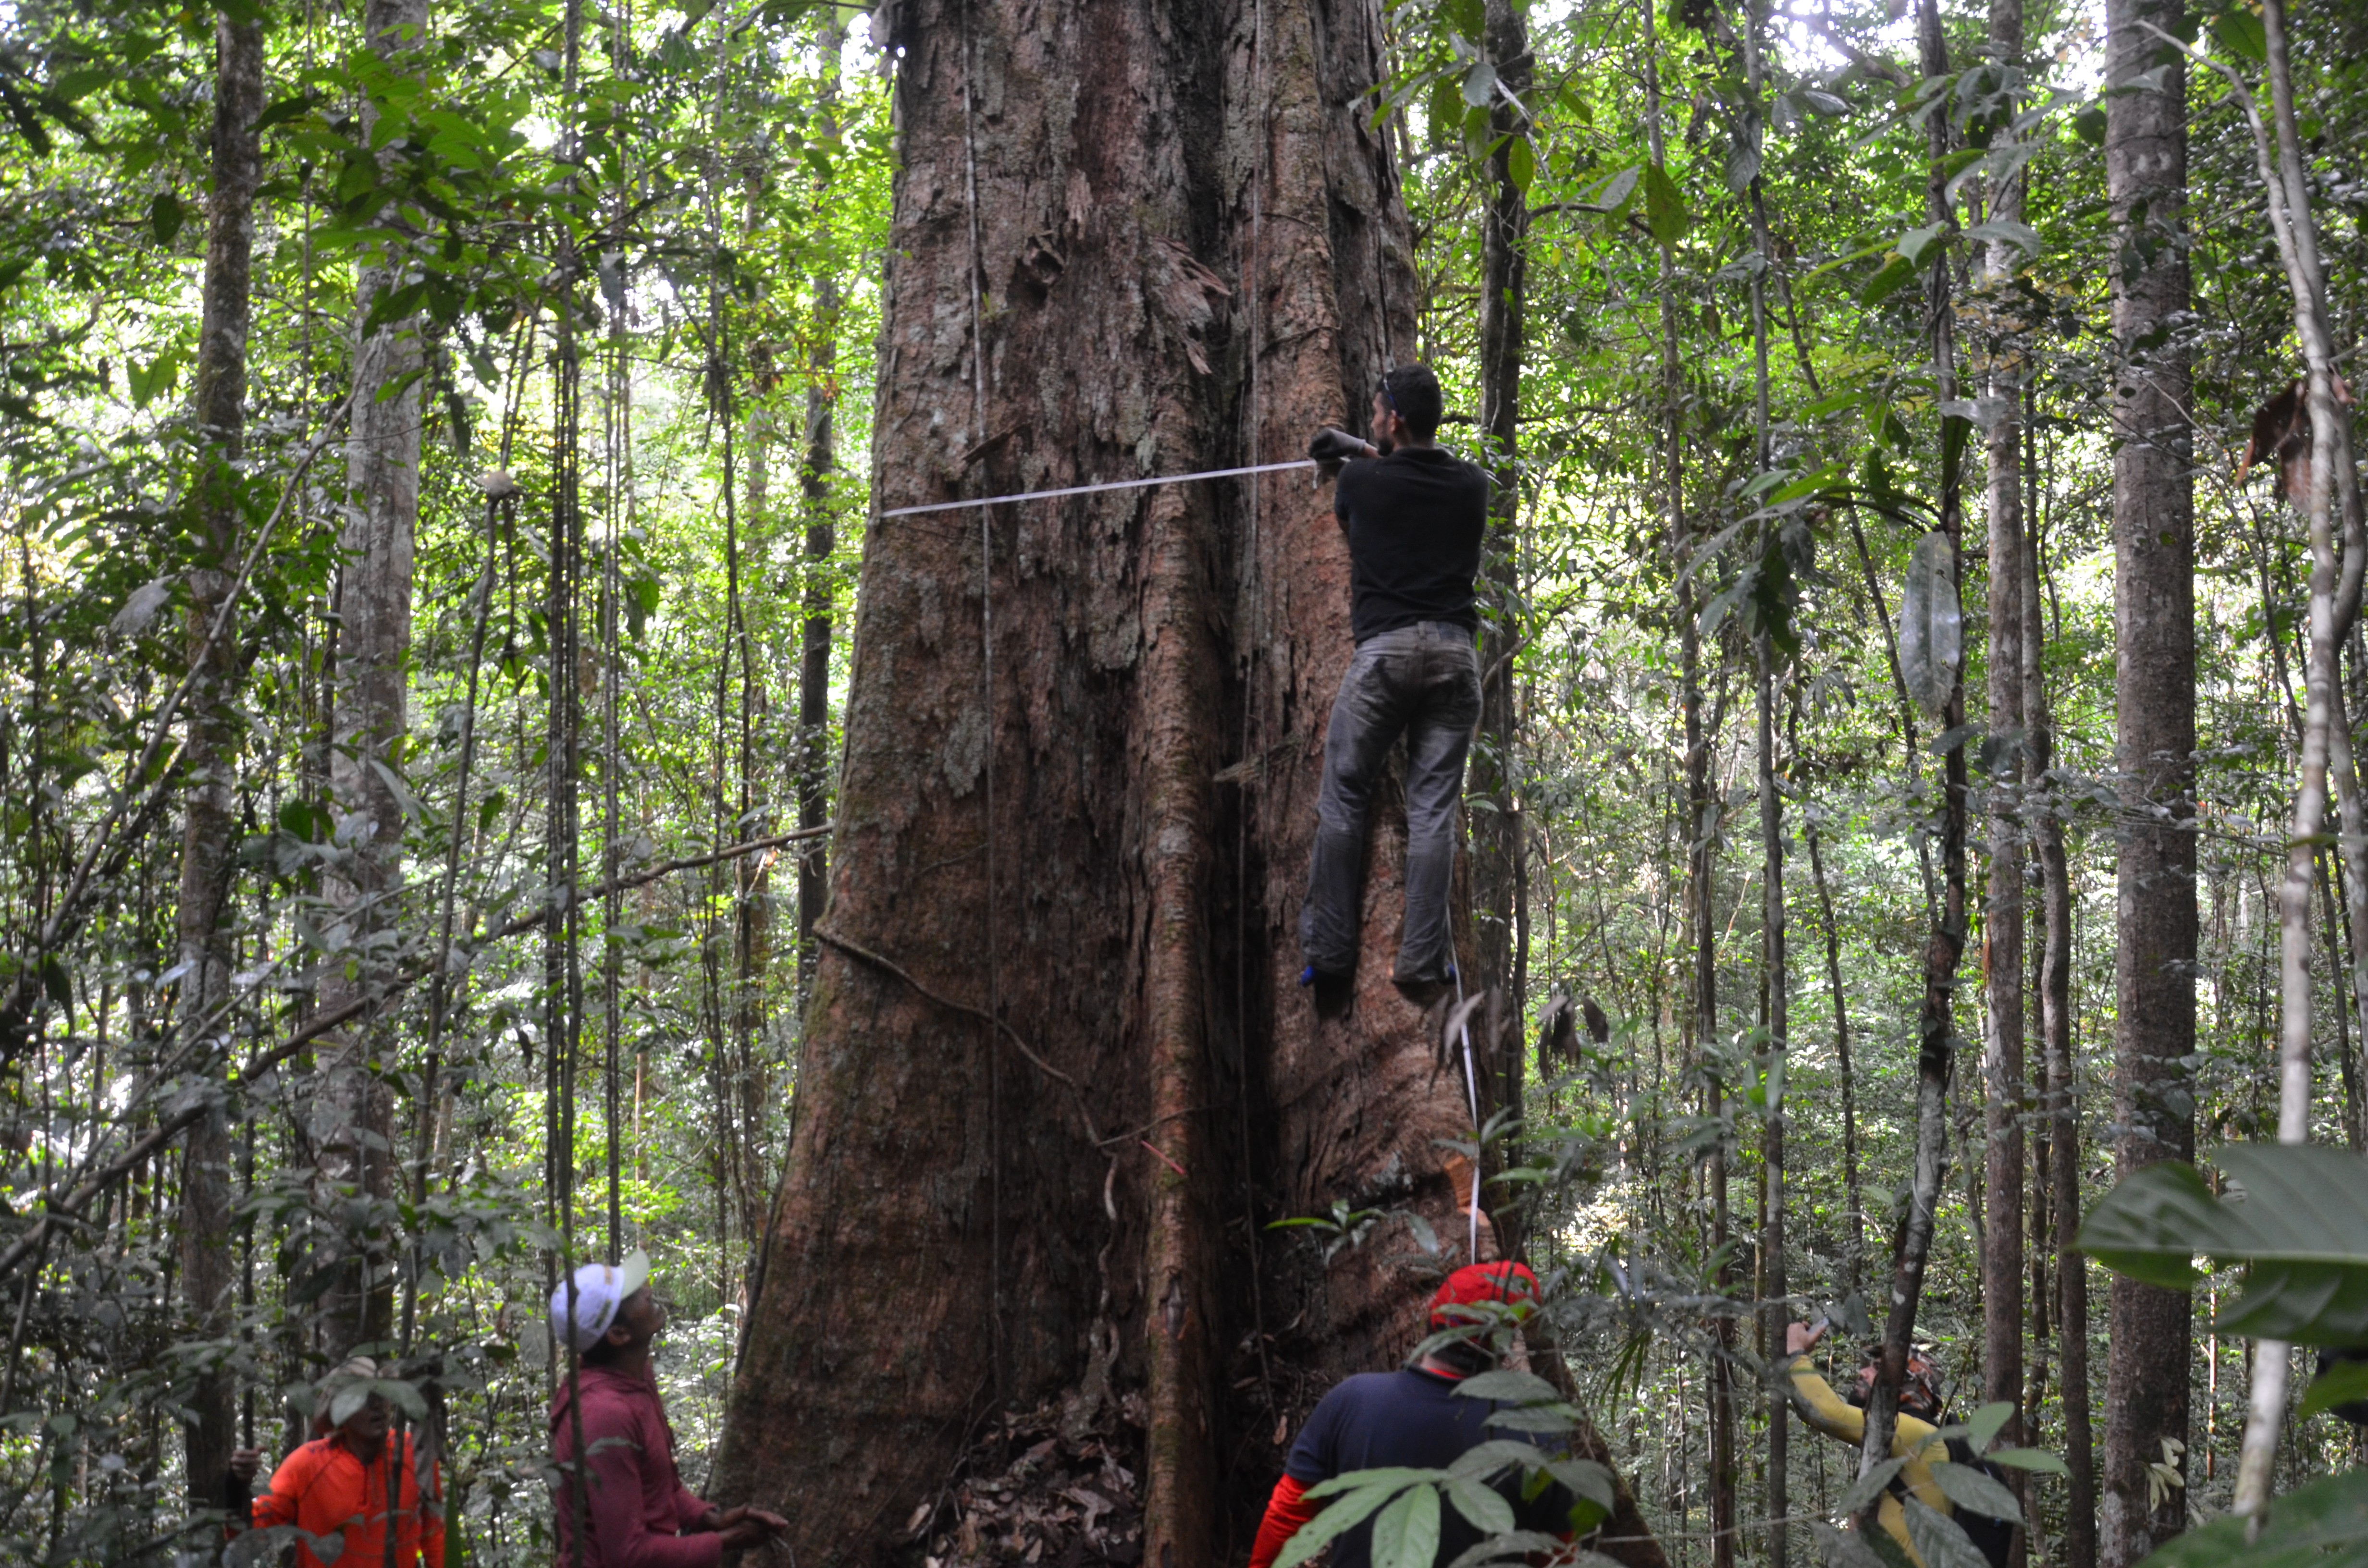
[[1112, 160], [209, 835], [2002, 962], [2154, 592], [352, 1111]]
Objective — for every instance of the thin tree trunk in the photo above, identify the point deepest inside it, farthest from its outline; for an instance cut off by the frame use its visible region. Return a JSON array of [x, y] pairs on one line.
[[2332, 501], [1855, 1249], [354, 1112], [814, 468], [1701, 830], [2002, 1065], [2145, 171], [1496, 825], [2063, 1090], [1935, 1027], [1775, 973], [209, 837]]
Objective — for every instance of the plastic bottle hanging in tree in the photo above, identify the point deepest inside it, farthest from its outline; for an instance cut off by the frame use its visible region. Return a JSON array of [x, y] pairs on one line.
[[1931, 626]]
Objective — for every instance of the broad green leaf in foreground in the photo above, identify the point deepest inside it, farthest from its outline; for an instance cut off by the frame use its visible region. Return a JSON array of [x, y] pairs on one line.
[[2296, 1217], [2323, 1525]]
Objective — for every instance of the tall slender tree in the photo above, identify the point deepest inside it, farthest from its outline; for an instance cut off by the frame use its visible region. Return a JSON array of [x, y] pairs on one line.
[[1945, 948], [2153, 692], [817, 459], [352, 1115], [1497, 857], [209, 836], [2002, 963], [2062, 1106]]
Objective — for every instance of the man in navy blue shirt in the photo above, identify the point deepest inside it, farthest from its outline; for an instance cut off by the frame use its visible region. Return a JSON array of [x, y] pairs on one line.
[[1414, 514], [1415, 1418]]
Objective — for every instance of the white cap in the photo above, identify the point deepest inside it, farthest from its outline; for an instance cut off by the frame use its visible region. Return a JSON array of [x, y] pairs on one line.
[[599, 1288]]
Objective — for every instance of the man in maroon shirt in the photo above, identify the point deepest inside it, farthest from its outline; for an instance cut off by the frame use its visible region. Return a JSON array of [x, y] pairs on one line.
[[635, 1512]]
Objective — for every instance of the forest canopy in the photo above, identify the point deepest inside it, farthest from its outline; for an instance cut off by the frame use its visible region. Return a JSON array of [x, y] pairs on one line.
[[502, 765]]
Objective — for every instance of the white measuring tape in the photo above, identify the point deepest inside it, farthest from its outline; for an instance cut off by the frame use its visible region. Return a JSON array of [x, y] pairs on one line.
[[1091, 489]]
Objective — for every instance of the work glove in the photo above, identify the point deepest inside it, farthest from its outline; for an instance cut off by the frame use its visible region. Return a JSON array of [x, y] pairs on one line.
[[1332, 448]]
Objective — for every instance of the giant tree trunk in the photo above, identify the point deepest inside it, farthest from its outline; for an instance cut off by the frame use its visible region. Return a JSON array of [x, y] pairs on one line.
[[2154, 592], [352, 1113], [210, 833], [1028, 821]]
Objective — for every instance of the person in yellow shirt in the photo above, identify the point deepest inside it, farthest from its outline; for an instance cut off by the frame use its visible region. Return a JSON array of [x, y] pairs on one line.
[[1915, 1436]]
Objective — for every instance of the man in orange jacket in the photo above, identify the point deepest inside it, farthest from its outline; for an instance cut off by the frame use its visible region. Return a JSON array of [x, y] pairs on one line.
[[339, 1485]]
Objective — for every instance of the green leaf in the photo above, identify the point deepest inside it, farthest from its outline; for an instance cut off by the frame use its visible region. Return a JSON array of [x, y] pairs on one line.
[[1392, 1476], [1665, 207], [401, 1394], [283, 111], [1346, 1514], [1514, 1388], [2343, 1383], [1536, 1419], [56, 982], [2301, 1528], [1468, 17], [2240, 32], [1484, 1506], [1520, 163], [1742, 168], [1808, 484], [2038, 1460], [1483, 1461], [2006, 231], [1587, 1480], [1940, 1541], [165, 216], [1889, 278], [1446, 110], [1405, 1535], [1983, 1426], [1969, 1489], [1613, 193], [1480, 84], [156, 379], [1843, 1549], [2296, 1215], [1869, 1486]]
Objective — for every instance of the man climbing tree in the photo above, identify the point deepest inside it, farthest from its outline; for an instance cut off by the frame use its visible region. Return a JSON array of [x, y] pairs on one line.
[[1414, 514]]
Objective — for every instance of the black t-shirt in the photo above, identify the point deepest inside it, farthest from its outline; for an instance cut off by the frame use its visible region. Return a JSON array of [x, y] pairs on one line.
[[1417, 1419], [1415, 520]]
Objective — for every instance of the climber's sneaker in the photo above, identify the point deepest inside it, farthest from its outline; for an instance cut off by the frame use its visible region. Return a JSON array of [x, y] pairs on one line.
[[1331, 992], [1422, 990]]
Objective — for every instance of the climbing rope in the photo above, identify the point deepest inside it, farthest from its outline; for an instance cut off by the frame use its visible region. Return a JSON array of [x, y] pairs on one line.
[[1471, 1090]]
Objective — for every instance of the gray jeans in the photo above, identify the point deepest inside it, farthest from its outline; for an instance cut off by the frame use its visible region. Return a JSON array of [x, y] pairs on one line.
[[1422, 681]]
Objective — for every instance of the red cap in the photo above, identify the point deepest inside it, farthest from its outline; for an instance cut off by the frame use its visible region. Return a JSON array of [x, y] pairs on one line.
[[1476, 1282]]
